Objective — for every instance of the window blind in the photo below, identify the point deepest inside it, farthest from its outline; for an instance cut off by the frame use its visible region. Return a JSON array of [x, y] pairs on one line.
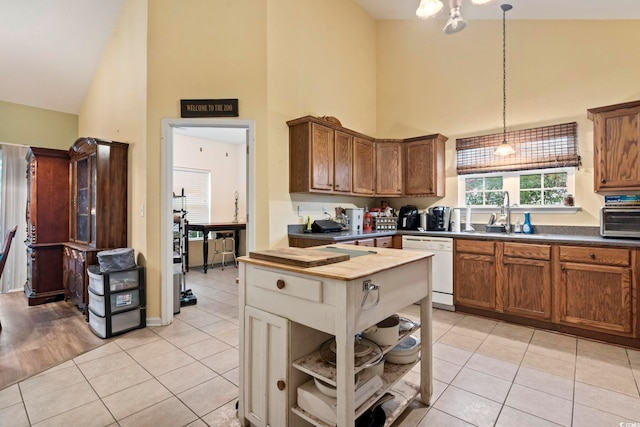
[[197, 192], [552, 146]]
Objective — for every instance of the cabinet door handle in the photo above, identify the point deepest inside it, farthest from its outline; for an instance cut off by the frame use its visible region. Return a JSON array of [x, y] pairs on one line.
[[504, 262], [280, 384], [280, 283], [562, 268], [603, 180], [592, 255], [337, 186]]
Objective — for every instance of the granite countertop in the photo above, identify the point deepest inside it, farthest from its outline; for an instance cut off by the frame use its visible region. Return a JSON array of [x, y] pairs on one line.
[[542, 234]]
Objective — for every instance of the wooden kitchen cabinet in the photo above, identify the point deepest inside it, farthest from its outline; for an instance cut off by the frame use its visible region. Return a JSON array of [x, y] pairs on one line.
[[98, 209], [320, 157], [524, 280], [616, 141], [424, 166], [595, 289], [364, 172], [474, 278], [388, 168], [47, 216]]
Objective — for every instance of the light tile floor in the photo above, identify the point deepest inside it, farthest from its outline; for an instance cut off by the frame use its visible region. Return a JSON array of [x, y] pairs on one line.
[[486, 373]]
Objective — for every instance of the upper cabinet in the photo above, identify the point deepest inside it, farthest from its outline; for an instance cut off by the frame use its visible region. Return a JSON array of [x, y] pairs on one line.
[[98, 179], [388, 168], [616, 136], [424, 171], [364, 171], [326, 158]]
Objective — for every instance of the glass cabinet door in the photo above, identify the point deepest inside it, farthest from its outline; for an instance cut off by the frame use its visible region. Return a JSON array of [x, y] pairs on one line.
[[84, 208]]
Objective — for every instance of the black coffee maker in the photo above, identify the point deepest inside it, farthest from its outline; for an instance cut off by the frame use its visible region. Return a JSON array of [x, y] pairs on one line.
[[408, 218], [439, 218]]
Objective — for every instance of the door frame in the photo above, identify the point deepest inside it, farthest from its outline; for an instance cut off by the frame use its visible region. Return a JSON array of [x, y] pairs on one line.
[[166, 198]]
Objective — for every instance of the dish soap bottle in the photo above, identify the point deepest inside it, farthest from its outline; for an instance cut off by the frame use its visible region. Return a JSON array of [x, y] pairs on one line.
[[527, 228]]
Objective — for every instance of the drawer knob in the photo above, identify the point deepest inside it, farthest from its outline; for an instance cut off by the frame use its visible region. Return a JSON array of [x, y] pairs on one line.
[[593, 256], [280, 384], [280, 283]]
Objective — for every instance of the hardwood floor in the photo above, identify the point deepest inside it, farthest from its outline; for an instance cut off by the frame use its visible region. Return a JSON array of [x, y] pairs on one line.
[[33, 339]]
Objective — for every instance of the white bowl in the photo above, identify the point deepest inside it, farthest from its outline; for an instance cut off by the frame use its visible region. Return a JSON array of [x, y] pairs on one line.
[[377, 369], [385, 332], [328, 389], [405, 352]]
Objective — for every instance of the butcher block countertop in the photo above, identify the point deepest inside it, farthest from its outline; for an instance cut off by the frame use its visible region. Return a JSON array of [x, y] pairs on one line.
[[362, 262]]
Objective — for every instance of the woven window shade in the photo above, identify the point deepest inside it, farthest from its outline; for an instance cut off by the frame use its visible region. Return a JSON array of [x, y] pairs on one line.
[[553, 146]]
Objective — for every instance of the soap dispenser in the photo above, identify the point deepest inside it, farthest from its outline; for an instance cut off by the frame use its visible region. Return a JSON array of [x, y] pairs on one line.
[[527, 228]]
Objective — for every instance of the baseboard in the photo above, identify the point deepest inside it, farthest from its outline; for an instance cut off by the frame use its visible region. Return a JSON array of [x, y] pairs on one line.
[[153, 321]]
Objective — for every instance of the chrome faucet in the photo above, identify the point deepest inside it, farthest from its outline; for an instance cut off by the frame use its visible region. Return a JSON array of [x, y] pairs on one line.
[[506, 206]]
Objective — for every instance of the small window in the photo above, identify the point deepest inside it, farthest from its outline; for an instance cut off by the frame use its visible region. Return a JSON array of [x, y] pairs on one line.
[[196, 187], [544, 187]]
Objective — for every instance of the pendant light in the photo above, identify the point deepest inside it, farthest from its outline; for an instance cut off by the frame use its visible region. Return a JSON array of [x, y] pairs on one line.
[[428, 8], [504, 149]]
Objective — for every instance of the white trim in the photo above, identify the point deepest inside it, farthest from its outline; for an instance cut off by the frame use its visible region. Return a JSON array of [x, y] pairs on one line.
[[166, 198], [562, 210]]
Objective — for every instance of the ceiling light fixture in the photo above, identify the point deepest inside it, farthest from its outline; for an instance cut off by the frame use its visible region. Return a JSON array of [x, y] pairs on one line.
[[428, 8], [504, 148]]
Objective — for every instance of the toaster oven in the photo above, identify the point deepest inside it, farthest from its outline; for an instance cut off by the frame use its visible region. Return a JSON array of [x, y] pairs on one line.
[[620, 221]]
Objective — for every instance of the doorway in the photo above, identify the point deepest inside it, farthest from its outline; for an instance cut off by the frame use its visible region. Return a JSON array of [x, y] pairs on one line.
[[172, 131]]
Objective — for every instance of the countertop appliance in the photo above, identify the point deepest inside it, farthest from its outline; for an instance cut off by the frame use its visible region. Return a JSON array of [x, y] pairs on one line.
[[325, 226], [356, 215], [409, 218], [616, 221], [441, 266], [439, 218]]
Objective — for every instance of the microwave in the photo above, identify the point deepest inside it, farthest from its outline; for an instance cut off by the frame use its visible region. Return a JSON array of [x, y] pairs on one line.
[[620, 222]]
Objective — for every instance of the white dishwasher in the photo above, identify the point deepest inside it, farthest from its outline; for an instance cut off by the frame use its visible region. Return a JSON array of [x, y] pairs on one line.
[[442, 266]]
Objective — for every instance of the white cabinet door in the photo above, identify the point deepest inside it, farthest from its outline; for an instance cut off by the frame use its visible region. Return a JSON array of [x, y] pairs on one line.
[[265, 364]]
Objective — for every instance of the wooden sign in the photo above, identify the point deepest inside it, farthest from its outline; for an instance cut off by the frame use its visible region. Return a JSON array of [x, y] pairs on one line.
[[208, 108]]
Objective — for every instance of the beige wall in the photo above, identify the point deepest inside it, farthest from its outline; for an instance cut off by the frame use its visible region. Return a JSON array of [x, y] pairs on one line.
[[429, 82], [37, 127], [321, 61], [115, 109]]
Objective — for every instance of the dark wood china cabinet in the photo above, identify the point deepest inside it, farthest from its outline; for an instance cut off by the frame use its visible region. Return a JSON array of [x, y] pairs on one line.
[[47, 216], [98, 209]]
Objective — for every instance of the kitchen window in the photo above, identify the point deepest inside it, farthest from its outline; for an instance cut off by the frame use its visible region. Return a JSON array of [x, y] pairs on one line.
[[539, 175], [529, 188]]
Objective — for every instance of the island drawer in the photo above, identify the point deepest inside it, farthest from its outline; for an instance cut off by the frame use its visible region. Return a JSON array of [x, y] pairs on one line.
[[591, 255], [284, 283]]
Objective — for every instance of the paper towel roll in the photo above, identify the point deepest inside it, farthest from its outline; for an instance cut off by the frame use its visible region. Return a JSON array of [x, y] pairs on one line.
[[456, 220], [469, 227]]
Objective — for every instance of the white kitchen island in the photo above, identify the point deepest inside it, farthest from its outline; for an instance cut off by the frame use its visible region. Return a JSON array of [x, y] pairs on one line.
[[287, 312]]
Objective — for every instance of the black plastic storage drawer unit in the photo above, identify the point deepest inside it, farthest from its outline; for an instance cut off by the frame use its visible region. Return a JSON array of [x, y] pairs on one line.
[[117, 301]]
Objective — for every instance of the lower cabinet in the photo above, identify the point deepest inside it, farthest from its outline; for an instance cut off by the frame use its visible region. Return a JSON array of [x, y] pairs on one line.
[[75, 261], [44, 273], [594, 289], [590, 289], [394, 242], [474, 269], [525, 280], [265, 378]]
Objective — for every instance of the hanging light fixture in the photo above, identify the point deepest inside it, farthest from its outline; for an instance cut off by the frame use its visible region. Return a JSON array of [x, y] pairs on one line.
[[456, 22], [504, 149], [428, 8]]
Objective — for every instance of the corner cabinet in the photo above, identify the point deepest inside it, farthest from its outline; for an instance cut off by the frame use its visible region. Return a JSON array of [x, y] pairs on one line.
[[98, 209], [47, 216], [616, 142], [287, 313], [424, 171]]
